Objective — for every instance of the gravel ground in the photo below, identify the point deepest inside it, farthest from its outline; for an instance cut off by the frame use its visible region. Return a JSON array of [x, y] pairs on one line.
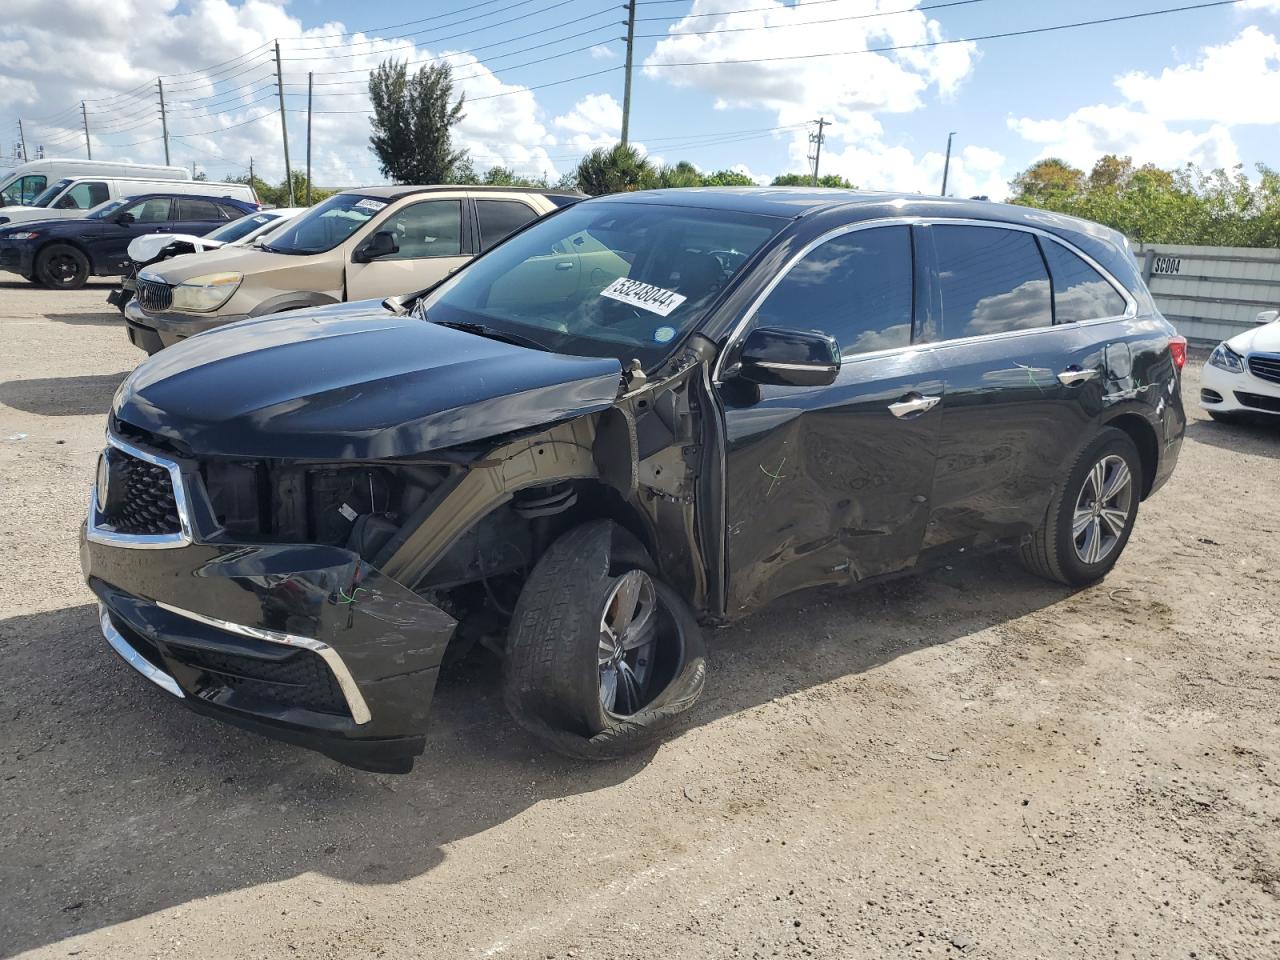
[[967, 762]]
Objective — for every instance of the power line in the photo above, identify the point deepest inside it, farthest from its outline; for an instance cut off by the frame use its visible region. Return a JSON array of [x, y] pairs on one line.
[[800, 23], [942, 43]]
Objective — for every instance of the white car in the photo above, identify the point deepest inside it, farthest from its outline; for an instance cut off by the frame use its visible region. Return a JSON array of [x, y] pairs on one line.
[[1242, 375], [240, 232]]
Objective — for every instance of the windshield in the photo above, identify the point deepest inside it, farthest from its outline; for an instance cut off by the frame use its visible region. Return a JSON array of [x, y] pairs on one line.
[[239, 228], [326, 225], [46, 198], [104, 210], [624, 280]]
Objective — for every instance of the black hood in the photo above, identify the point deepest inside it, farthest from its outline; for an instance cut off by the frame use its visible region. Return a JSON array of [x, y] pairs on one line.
[[353, 382]]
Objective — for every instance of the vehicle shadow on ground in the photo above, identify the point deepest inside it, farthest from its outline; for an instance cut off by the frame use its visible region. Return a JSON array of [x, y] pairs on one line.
[[62, 396], [123, 777], [107, 318], [1258, 438]]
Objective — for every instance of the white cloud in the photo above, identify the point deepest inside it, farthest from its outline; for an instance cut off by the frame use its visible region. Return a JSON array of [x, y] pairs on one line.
[[112, 54], [874, 165], [1235, 83], [594, 121], [852, 92], [1084, 135], [1184, 114], [601, 52]]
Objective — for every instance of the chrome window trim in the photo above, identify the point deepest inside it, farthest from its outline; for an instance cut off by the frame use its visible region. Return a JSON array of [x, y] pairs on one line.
[[1131, 305], [132, 657], [778, 365], [346, 683], [139, 541]]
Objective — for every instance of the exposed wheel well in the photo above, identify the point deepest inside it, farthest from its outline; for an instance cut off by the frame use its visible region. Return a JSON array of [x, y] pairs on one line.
[[1143, 436]]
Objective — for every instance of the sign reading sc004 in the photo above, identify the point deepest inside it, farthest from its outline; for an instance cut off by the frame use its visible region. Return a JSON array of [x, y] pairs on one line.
[[1167, 266]]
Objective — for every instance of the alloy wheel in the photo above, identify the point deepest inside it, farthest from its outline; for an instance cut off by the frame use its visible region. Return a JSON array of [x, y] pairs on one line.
[[1102, 509], [628, 642]]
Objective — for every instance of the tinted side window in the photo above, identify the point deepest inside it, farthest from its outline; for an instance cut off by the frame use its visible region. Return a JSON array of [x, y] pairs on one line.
[[1079, 291], [430, 229], [154, 210], [991, 280], [189, 208], [855, 287], [228, 212], [501, 218]]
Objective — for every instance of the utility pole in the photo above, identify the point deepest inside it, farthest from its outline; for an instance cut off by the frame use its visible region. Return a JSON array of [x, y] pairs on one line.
[[88, 147], [164, 121], [284, 125], [816, 139], [308, 138], [22, 138], [946, 167], [251, 187], [626, 84]]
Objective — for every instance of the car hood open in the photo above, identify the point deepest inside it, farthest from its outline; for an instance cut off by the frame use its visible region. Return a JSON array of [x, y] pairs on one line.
[[353, 382]]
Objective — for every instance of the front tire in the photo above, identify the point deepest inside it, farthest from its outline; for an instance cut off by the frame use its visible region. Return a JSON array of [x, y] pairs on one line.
[[62, 267], [1091, 516], [602, 657]]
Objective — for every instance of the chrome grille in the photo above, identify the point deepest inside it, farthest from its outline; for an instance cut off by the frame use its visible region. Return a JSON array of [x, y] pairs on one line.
[[153, 295], [1265, 366]]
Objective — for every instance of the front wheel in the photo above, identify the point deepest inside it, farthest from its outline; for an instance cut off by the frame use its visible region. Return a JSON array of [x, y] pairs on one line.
[[1091, 516], [62, 267], [602, 656]]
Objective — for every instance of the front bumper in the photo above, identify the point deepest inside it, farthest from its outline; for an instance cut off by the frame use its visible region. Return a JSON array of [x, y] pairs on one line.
[[1224, 392], [17, 257], [168, 328], [302, 643]]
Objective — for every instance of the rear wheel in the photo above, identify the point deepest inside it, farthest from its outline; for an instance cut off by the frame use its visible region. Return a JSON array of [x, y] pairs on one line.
[[62, 267], [601, 655], [1091, 516]]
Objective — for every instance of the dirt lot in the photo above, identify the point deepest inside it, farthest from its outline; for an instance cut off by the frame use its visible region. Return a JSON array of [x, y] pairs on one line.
[[969, 762]]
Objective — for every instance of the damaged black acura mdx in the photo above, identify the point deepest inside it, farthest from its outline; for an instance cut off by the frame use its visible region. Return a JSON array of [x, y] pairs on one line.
[[640, 413]]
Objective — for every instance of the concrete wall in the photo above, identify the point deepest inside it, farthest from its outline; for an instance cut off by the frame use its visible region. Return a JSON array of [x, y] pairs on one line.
[[1211, 293]]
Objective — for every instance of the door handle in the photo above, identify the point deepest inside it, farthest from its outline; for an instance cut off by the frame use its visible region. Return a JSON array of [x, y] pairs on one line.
[[1073, 375], [564, 265], [912, 404]]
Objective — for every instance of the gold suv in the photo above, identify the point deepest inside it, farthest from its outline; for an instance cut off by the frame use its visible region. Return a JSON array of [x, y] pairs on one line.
[[357, 245]]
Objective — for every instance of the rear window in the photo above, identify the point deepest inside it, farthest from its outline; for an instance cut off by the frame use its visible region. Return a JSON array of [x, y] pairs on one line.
[[240, 228], [1079, 291], [191, 208], [991, 280], [501, 218]]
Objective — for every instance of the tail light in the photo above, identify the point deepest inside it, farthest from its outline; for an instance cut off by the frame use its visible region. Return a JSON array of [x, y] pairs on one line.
[[1178, 350]]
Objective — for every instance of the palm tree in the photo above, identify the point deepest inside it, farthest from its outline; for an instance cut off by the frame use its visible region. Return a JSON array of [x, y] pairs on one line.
[[618, 169]]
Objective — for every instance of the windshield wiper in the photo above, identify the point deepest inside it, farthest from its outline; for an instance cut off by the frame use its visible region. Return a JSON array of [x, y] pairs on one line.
[[480, 330]]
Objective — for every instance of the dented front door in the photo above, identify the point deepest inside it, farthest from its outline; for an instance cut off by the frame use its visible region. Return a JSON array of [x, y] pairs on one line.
[[828, 485]]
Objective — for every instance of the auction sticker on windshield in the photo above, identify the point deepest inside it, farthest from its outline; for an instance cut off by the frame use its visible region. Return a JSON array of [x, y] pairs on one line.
[[367, 204], [643, 295]]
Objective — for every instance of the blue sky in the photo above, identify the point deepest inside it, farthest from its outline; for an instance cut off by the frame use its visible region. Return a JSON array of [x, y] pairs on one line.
[[1010, 100]]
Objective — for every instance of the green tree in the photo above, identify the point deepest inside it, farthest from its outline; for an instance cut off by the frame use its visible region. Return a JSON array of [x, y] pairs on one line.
[[1047, 181], [413, 120], [277, 194], [682, 174], [727, 178], [831, 180], [617, 169]]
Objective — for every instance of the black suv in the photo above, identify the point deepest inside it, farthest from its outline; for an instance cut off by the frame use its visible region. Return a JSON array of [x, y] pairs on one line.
[[638, 413], [65, 253]]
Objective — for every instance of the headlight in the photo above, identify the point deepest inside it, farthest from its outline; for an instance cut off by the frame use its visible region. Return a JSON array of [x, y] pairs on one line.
[[21, 235], [209, 292], [1224, 358]]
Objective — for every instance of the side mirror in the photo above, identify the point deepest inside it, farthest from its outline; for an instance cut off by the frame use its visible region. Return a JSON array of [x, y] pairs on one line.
[[381, 244], [1268, 316], [789, 358], [124, 219]]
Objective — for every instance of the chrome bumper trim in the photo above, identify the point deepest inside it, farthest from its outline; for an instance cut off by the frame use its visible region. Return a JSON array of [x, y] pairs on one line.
[[346, 683], [132, 657], [143, 541]]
